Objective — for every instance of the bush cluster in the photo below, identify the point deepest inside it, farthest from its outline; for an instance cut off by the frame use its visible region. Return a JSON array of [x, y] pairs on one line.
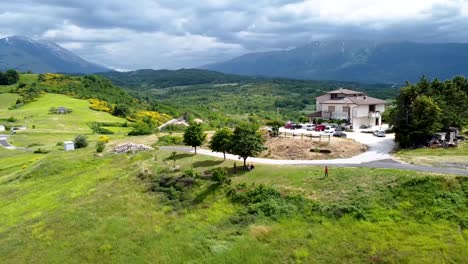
[[169, 140]]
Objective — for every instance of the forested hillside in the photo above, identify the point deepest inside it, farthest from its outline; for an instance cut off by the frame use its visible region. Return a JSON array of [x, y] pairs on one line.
[[223, 99]]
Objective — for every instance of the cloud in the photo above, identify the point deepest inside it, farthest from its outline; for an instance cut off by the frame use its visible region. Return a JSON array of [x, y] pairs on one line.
[[186, 33]]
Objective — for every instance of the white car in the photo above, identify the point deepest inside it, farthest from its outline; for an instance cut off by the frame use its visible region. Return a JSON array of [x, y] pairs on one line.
[[329, 130], [379, 133]]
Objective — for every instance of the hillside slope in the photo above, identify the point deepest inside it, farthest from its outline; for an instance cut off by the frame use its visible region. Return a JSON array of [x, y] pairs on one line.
[[362, 61], [40, 56]]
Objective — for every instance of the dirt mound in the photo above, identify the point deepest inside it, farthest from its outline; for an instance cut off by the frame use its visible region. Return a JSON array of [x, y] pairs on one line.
[[307, 149]]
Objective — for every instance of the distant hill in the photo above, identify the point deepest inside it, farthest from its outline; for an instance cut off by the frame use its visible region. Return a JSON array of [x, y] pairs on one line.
[[361, 61], [148, 79], [40, 56]]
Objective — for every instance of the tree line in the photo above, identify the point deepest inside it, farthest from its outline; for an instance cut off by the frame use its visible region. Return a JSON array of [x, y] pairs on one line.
[[9, 77], [245, 141], [428, 107]]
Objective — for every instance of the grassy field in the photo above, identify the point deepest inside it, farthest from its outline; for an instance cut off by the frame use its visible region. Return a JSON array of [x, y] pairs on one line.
[[45, 130], [79, 207], [74, 207], [451, 157]]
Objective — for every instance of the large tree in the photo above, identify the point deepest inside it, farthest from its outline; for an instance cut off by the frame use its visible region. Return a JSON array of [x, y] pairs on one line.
[[221, 141], [247, 141], [427, 107], [194, 135]]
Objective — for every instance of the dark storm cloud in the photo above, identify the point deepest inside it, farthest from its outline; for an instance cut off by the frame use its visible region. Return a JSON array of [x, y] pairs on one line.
[[170, 34]]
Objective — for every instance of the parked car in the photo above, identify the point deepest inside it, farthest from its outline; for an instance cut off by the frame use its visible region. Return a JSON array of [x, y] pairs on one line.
[[319, 128], [339, 134], [379, 133], [329, 129], [310, 127], [296, 126]]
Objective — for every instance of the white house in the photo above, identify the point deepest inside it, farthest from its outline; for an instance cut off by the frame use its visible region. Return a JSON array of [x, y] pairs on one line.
[[68, 145], [2, 128], [355, 107]]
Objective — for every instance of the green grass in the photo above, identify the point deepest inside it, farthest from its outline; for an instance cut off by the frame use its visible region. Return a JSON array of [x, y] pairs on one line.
[[7, 100], [73, 207], [439, 157], [50, 128], [37, 114], [76, 207]]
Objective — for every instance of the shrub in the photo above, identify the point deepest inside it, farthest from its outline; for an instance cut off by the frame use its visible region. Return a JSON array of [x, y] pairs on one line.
[[81, 141], [41, 151], [12, 119], [100, 146], [220, 176], [141, 128], [104, 139], [169, 140]]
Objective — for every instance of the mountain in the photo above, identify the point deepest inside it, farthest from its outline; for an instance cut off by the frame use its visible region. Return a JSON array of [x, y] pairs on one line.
[[362, 61], [39, 56]]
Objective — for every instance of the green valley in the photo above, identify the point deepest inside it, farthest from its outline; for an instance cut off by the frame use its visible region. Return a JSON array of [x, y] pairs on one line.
[[86, 207]]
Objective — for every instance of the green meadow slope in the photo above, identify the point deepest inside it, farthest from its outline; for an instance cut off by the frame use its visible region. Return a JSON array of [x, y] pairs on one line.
[[44, 129], [79, 207], [74, 207]]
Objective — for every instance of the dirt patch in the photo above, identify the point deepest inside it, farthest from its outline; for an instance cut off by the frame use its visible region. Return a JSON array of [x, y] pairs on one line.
[[307, 149]]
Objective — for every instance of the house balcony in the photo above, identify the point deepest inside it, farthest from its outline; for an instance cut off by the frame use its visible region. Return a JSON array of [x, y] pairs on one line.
[[374, 114], [334, 115]]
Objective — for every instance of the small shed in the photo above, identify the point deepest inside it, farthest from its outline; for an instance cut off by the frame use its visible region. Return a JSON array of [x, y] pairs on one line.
[[68, 145]]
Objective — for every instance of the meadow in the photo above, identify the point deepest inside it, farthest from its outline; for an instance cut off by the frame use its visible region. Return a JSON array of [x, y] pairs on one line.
[[45, 129], [450, 157], [79, 207], [74, 207]]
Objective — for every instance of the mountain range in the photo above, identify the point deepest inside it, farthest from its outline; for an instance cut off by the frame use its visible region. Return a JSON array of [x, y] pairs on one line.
[[39, 56], [362, 61]]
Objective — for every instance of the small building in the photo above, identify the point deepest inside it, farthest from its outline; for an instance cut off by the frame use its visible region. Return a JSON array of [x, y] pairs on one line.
[[2, 128], [68, 145]]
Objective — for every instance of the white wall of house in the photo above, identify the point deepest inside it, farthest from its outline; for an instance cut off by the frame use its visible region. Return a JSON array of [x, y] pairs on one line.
[[361, 111], [380, 108], [319, 100]]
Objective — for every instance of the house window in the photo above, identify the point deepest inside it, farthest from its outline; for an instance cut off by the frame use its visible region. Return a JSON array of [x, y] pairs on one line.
[[331, 108], [371, 108]]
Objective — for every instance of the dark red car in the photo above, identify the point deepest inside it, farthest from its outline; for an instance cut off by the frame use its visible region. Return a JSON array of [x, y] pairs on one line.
[[319, 128]]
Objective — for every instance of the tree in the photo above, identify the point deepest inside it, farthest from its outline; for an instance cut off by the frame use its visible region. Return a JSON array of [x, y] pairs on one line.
[[416, 116], [194, 136], [247, 141], [275, 126], [173, 157], [221, 141], [121, 110], [12, 76]]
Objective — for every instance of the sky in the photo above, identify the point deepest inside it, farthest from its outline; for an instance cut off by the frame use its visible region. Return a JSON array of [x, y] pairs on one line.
[[172, 34]]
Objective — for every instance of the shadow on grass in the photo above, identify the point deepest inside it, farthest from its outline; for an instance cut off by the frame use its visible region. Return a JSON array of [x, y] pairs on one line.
[[207, 163], [207, 192], [183, 155]]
